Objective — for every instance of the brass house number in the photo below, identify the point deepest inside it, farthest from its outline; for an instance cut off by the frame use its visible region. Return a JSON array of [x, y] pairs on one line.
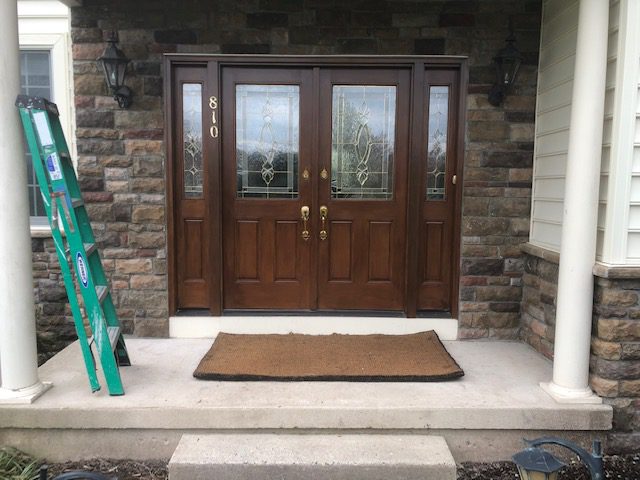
[[213, 105]]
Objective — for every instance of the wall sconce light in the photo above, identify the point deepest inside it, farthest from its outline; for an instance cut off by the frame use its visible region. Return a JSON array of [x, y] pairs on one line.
[[535, 463], [507, 62], [114, 65]]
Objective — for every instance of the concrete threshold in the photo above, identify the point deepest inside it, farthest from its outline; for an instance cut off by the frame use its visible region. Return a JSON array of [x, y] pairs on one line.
[[483, 416]]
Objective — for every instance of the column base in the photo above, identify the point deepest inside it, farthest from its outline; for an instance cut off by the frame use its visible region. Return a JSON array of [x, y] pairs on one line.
[[570, 395], [24, 395]]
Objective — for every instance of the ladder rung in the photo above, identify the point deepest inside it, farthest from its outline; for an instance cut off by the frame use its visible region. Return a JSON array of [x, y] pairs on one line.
[[76, 202], [114, 334], [89, 248], [101, 291]]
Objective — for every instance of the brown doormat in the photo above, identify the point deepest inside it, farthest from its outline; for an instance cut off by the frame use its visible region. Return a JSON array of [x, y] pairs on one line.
[[419, 357]]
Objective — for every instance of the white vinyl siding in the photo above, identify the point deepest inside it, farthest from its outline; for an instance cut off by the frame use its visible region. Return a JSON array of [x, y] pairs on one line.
[[553, 115], [553, 118]]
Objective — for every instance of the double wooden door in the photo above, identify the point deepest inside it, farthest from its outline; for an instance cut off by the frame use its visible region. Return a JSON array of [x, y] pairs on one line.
[[308, 184], [314, 188]]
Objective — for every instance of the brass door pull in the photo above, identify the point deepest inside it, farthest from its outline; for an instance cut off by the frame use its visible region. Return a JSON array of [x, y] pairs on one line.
[[324, 211], [304, 214]]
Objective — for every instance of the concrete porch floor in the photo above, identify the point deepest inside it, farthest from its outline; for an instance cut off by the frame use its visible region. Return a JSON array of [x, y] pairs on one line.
[[483, 416]]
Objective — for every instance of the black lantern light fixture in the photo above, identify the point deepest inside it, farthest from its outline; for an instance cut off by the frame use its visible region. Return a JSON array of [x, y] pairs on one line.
[[507, 62], [535, 463], [114, 65]]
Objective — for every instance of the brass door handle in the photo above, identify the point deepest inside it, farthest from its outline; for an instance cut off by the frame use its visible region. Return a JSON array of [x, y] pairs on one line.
[[324, 212], [304, 215]]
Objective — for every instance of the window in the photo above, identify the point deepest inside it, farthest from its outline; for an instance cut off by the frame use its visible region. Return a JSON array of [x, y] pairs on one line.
[[35, 80], [46, 71]]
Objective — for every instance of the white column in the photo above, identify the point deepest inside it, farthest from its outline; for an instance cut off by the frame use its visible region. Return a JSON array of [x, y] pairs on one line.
[[18, 357], [578, 249]]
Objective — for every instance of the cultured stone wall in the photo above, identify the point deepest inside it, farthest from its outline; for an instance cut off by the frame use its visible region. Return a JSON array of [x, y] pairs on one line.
[[55, 327], [615, 355], [540, 288], [121, 153], [615, 337]]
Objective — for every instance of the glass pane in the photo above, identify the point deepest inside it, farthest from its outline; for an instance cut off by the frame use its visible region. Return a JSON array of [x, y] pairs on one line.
[[192, 139], [363, 140], [437, 142], [267, 140], [35, 80]]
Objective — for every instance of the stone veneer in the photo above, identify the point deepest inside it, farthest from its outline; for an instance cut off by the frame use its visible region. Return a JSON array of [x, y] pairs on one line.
[[615, 337], [55, 327], [121, 153]]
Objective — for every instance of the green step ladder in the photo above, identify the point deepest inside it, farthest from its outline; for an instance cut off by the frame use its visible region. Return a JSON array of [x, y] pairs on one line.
[[74, 242]]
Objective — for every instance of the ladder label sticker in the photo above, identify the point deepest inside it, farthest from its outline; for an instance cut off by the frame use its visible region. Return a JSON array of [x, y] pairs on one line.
[[53, 166], [82, 270], [42, 125]]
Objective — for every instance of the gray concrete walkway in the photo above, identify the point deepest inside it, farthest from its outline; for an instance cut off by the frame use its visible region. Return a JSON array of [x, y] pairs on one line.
[[499, 394]]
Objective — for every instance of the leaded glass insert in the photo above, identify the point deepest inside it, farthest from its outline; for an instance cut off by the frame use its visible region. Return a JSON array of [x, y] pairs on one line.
[[363, 140], [192, 139], [437, 142], [267, 140]]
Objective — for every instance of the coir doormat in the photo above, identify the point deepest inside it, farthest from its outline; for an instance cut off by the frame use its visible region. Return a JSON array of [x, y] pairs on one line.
[[418, 357]]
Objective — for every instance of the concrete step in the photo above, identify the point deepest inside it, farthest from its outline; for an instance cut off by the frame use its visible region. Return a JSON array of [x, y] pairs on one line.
[[317, 456]]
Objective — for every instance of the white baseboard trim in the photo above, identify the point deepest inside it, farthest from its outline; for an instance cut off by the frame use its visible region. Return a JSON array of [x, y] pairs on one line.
[[209, 327]]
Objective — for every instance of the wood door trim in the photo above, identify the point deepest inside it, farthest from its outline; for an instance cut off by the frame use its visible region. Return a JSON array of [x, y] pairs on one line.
[[214, 64], [214, 183]]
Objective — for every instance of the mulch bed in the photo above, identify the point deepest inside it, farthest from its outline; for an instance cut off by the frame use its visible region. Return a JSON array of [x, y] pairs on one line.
[[122, 469], [617, 467]]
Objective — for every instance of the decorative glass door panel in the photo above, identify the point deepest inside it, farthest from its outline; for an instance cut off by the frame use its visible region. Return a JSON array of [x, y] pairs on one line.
[[437, 142], [363, 141], [192, 139], [267, 140]]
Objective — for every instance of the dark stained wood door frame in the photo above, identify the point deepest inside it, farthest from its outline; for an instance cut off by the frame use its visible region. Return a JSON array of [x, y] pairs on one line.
[[420, 67]]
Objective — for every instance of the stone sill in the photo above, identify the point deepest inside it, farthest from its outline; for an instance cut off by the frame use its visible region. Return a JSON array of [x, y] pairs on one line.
[[41, 231], [600, 269], [541, 252], [604, 270]]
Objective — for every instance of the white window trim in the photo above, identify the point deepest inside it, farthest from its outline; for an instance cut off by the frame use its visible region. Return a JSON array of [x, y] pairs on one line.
[[58, 44]]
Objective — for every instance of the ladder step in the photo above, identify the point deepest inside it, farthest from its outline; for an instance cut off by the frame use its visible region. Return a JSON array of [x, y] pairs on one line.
[[77, 202], [89, 248], [114, 334], [101, 291]]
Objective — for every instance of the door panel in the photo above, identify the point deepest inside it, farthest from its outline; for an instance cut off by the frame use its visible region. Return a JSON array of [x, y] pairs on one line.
[[363, 145], [439, 158], [193, 269], [266, 145], [380, 248]]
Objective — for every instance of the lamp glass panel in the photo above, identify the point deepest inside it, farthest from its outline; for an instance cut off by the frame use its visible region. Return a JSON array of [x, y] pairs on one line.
[[111, 73], [122, 71]]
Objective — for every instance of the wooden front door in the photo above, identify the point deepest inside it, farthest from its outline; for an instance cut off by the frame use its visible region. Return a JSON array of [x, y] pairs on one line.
[[314, 188], [314, 183], [364, 137], [267, 148]]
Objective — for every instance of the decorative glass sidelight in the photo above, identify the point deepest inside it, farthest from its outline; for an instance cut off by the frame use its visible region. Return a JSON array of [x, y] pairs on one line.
[[437, 142], [192, 139], [267, 140], [363, 141]]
